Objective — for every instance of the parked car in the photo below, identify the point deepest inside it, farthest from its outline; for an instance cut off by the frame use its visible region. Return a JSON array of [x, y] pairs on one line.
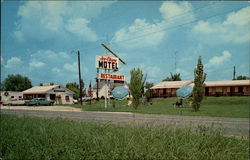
[[14, 102], [38, 102], [75, 101], [86, 99]]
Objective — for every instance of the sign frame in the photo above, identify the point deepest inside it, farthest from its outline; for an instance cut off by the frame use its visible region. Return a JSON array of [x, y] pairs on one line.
[[110, 76], [107, 63]]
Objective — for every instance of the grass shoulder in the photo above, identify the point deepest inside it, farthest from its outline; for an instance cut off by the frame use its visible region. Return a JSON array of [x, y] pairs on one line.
[[36, 138], [237, 107]]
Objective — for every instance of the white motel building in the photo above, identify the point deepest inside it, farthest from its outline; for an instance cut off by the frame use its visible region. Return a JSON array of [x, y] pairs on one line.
[[49, 91]]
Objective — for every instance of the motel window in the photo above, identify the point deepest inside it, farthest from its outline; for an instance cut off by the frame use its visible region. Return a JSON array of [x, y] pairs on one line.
[[67, 98], [213, 90], [173, 91], [247, 89], [12, 97], [20, 97], [224, 90]]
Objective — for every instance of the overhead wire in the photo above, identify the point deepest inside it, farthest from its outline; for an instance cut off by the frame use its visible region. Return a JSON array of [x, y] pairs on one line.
[[172, 27], [174, 17], [209, 17], [171, 18]]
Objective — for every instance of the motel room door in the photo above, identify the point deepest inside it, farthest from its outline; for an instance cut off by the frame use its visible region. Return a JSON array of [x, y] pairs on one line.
[[232, 91], [206, 91], [165, 93]]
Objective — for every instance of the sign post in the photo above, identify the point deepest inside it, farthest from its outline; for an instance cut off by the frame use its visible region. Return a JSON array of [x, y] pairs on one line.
[[108, 63]]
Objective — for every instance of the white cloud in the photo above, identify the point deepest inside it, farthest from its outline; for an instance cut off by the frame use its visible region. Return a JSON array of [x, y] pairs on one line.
[[56, 70], [13, 62], [235, 29], [48, 65], [143, 34], [19, 36], [152, 71], [43, 20], [184, 74], [219, 60], [64, 55], [126, 37], [239, 18], [176, 11], [80, 28], [71, 67], [36, 64], [49, 55]]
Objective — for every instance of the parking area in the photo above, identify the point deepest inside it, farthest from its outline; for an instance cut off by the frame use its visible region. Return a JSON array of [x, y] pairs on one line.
[[43, 108]]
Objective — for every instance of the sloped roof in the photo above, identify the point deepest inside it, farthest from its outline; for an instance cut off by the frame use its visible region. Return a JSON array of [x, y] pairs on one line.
[[228, 83], [43, 89], [171, 84], [178, 84]]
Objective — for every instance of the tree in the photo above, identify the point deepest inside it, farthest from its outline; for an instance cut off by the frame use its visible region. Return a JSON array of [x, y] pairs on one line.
[[135, 86], [199, 86], [16, 83], [148, 85], [173, 77], [148, 93], [1, 86], [241, 77], [74, 87]]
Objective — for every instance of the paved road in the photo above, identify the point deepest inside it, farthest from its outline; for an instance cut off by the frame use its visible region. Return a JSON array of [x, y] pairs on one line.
[[228, 126]]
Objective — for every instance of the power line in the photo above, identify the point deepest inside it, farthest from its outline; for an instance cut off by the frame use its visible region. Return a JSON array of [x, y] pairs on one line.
[[209, 17], [142, 26], [174, 17], [172, 27]]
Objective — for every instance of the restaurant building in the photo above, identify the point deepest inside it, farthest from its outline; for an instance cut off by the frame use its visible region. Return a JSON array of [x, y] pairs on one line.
[[57, 93], [213, 88]]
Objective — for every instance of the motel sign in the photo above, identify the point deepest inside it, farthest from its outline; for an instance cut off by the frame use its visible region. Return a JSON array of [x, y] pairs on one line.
[[105, 62]]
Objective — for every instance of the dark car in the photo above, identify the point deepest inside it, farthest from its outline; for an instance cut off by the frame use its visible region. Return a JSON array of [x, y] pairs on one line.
[[38, 102]]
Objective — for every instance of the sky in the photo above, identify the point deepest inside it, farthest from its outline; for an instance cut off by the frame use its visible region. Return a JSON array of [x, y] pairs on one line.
[[39, 38]]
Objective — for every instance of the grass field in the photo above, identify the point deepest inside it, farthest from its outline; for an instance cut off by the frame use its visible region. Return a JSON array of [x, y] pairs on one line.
[[34, 138], [211, 106]]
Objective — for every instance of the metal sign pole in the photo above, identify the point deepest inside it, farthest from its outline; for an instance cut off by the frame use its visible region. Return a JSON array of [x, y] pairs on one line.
[[107, 82], [97, 84], [108, 91], [106, 86]]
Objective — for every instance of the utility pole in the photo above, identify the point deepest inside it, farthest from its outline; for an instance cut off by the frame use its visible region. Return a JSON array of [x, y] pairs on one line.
[[79, 71], [234, 74], [97, 84]]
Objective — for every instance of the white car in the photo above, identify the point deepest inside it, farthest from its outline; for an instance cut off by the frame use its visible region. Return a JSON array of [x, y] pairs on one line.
[[14, 102], [75, 101]]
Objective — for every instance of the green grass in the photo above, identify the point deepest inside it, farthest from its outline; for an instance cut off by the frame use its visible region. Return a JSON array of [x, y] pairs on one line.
[[211, 106], [34, 138]]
